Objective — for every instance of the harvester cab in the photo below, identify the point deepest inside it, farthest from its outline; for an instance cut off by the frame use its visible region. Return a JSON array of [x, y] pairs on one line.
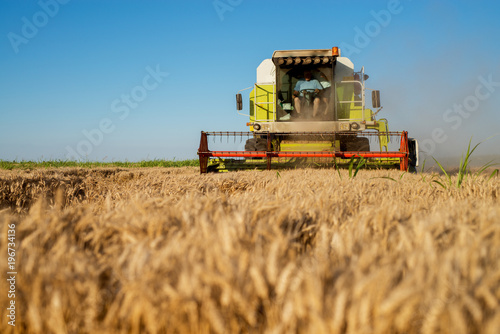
[[308, 108]]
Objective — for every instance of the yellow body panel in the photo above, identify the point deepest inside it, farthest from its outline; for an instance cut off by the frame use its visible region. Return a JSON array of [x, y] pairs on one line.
[[262, 99], [311, 146], [382, 126]]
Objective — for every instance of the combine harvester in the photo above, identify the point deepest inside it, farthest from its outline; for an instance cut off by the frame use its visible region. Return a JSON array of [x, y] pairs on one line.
[[307, 109]]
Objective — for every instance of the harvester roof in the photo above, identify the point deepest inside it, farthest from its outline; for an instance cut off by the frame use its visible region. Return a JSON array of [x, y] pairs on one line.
[[305, 57]]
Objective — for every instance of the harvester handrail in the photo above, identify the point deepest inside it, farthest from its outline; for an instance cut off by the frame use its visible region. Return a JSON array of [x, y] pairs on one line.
[[353, 101], [352, 81], [259, 103]]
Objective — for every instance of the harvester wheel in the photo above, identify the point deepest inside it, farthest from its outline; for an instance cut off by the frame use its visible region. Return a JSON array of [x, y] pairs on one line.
[[250, 144], [256, 144], [413, 155], [261, 144]]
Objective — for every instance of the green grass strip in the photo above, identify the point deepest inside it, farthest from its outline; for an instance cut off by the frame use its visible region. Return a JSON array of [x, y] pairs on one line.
[[93, 164]]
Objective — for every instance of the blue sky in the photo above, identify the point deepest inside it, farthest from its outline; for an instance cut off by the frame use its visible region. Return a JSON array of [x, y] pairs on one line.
[[67, 67]]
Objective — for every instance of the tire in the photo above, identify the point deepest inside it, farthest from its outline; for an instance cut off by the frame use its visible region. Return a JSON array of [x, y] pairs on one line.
[[256, 144], [250, 144], [413, 156], [261, 144]]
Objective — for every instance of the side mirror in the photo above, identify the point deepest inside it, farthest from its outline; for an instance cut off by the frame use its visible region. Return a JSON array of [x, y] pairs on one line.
[[239, 102], [376, 99]]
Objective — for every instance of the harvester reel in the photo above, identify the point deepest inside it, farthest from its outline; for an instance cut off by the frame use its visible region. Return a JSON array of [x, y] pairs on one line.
[[287, 149]]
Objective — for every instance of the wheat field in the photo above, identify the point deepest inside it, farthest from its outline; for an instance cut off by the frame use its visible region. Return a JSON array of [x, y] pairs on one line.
[[166, 250]]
